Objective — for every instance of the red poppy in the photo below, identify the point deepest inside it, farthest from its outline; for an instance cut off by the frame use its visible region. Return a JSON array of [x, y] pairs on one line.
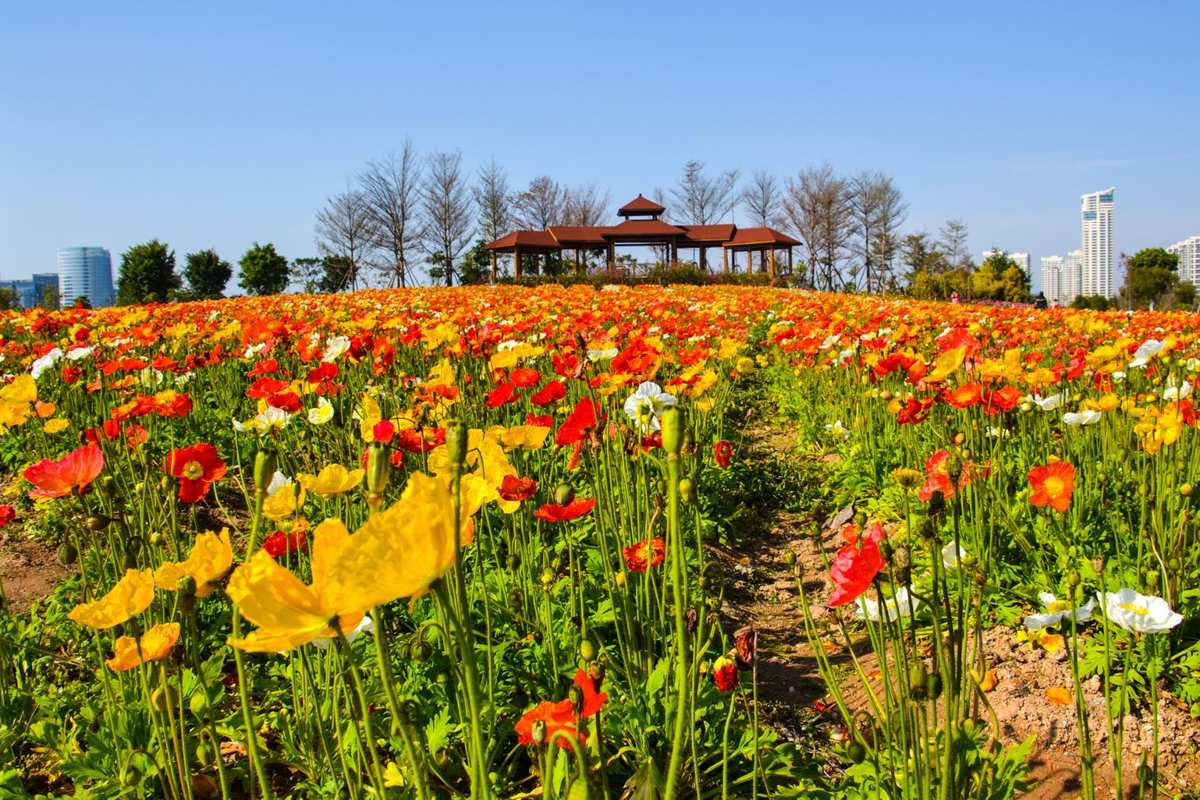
[[563, 716], [643, 555], [964, 396], [515, 489], [855, 567], [552, 512], [551, 392], [383, 431], [915, 411], [1004, 399], [196, 467], [540, 420], [524, 377], [75, 470], [722, 453], [285, 401], [578, 425], [281, 542], [263, 388], [725, 674], [1053, 484], [502, 394], [7, 514], [420, 441], [938, 477]]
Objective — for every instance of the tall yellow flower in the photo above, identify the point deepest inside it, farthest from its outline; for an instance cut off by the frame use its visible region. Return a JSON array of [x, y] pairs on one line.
[[399, 552], [154, 644], [332, 479], [131, 596], [209, 561]]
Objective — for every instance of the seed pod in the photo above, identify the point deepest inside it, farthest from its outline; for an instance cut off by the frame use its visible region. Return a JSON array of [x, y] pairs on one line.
[[686, 490], [456, 441], [265, 463], [97, 522], [67, 554], [672, 430], [563, 494], [587, 650]]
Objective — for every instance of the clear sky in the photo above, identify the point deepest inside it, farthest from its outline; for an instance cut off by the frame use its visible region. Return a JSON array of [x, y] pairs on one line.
[[214, 124]]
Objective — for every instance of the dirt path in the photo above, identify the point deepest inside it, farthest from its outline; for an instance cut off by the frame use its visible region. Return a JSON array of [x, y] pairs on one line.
[[761, 591], [29, 571]]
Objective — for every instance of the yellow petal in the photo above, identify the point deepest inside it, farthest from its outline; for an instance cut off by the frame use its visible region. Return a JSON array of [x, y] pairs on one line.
[[210, 559], [947, 363], [276, 600], [131, 596], [156, 644], [23, 389]]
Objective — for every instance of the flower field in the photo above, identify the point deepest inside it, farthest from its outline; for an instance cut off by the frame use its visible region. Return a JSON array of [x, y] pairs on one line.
[[475, 543]]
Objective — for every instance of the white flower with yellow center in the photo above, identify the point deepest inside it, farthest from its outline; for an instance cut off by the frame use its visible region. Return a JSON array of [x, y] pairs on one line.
[[1056, 611], [1139, 613], [646, 404], [322, 413], [900, 606]]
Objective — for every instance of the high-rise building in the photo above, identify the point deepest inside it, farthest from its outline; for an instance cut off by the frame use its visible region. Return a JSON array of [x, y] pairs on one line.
[[1188, 251], [1096, 216], [1072, 277], [85, 272], [1052, 280], [36, 291], [1020, 259]]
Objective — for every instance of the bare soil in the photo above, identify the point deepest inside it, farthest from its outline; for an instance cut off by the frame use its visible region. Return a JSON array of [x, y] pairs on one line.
[[762, 591], [29, 570]]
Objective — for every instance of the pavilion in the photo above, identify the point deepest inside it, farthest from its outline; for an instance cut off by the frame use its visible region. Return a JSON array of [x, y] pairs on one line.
[[642, 226]]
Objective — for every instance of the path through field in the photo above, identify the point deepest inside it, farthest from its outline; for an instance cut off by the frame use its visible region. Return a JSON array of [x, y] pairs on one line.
[[762, 591]]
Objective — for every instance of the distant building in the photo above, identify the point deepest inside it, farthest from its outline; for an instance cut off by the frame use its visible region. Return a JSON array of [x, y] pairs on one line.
[[1096, 218], [1188, 251], [85, 272], [1020, 259], [1052, 280], [1072, 280], [32, 292]]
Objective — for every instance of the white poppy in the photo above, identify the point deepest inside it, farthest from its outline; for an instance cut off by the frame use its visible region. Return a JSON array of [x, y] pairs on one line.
[[646, 404], [602, 354], [76, 353], [830, 341], [254, 350], [1048, 403], [837, 429], [322, 413], [1088, 417], [366, 626], [335, 346], [1146, 351], [45, 362], [902, 604], [1056, 611], [1174, 392], [953, 555], [1139, 613]]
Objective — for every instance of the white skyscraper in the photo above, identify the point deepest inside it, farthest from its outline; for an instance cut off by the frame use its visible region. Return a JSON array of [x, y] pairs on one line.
[[1096, 216], [1189, 259], [1072, 277], [1020, 259], [1052, 280]]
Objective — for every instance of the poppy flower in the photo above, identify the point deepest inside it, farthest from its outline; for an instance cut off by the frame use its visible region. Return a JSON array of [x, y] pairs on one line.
[[722, 453], [516, 489], [501, 395], [7, 514], [196, 467], [724, 674], [1052, 485], [75, 470], [562, 716], [332, 479], [552, 512], [578, 425], [383, 431], [550, 393], [745, 645], [855, 567], [282, 542], [154, 645], [524, 377], [129, 597], [643, 555], [209, 562]]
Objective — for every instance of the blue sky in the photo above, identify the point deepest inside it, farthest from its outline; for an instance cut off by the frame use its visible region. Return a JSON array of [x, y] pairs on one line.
[[221, 124]]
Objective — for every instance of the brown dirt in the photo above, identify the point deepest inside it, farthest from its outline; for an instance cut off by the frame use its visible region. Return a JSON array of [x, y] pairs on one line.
[[761, 590], [29, 570]]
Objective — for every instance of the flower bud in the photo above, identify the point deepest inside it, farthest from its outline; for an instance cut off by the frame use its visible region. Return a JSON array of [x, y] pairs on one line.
[[564, 494], [265, 462], [587, 650], [538, 732], [67, 554], [456, 442], [691, 619], [378, 474], [672, 430], [686, 490]]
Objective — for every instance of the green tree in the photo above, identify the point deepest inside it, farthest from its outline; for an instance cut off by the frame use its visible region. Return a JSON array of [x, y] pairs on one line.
[[1185, 294], [207, 274], [476, 264], [1149, 275], [147, 274], [51, 297], [9, 300], [264, 271]]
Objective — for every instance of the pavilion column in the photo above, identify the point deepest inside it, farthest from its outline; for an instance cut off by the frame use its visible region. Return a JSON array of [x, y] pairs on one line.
[[704, 258], [493, 266], [771, 263], [516, 262], [612, 257], [789, 260], [725, 260], [674, 253]]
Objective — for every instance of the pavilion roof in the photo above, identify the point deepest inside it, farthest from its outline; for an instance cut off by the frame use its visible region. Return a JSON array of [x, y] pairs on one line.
[[748, 237], [709, 233], [642, 228], [526, 240], [567, 235], [640, 205]]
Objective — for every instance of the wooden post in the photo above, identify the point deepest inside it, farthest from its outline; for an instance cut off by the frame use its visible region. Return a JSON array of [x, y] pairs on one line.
[[771, 264], [517, 262], [612, 257], [789, 260], [725, 260], [493, 266]]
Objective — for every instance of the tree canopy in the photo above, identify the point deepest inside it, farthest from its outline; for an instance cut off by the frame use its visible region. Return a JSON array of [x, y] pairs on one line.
[[264, 271], [147, 274], [207, 274]]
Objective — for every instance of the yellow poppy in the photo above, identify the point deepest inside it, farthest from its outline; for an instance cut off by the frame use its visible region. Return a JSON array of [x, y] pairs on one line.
[[332, 479], [210, 559], [56, 425], [397, 553], [15, 401], [529, 437], [131, 596], [946, 364], [155, 644], [283, 502]]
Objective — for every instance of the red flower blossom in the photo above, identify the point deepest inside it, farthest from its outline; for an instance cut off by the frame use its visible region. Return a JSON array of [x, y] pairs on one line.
[[722, 453], [1053, 484], [855, 567], [645, 554], [7, 514], [196, 467], [420, 441], [1004, 399], [524, 377], [964, 396], [578, 425], [515, 489], [501, 395], [383, 431], [75, 470], [563, 716], [725, 674], [938, 477], [552, 512], [550, 393], [281, 542]]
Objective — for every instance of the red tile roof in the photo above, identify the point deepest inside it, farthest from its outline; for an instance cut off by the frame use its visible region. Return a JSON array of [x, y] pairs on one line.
[[570, 235], [709, 233], [752, 236], [531, 240], [640, 205], [642, 228]]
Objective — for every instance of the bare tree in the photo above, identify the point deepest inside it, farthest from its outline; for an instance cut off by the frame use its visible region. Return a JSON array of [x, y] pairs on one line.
[[818, 210], [763, 200], [539, 206], [446, 204], [493, 202], [953, 241], [703, 199], [392, 189], [584, 205], [877, 210], [345, 237]]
